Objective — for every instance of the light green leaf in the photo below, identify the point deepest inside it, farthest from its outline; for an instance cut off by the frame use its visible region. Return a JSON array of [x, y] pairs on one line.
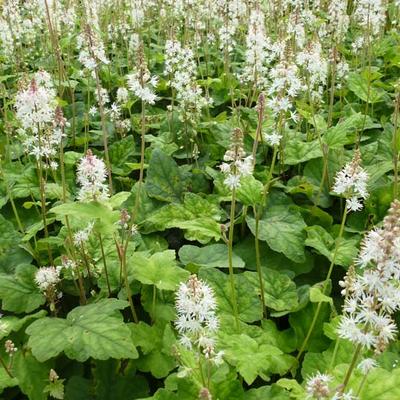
[[211, 256], [55, 389], [250, 191], [382, 384], [18, 292], [298, 151], [105, 217], [250, 358], [159, 270], [365, 90], [283, 229], [10, 323], [118, 198], [95, 330], [316, 296], [197, 216], [321, 240]]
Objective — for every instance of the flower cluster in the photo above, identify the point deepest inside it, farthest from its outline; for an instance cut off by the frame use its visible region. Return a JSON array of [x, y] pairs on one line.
[[351, 182], [371, 15], [374, 295], [236, 164], [196, 321], [36, 104], [256, 50], [47, 278], [142, 84], [10, 348], [91, 49], [82, 236], [181, 67], [91, 174], [41, 119], [318, 387]]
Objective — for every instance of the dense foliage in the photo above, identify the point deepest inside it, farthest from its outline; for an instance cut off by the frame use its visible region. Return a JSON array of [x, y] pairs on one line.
[[198, 199]]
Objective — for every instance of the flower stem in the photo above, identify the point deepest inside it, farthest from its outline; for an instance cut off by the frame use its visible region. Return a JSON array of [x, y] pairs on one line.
[[105, 264], [351, 368], [396, 149], [325, 286], [126, 281], [141, 168], [230, 258], [6, 368], [258, 265]]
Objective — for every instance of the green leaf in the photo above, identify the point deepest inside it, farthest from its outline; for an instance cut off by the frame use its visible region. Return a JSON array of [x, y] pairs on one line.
[[32, 375], [279, 290], [118, 198], [301, 321], [298, 151], [250, 191], [10, 323], [211, 256], [11, 252], [272, 392], [316, 296], [120, 153], [296, 390], [361, 86], [197, 216], [164, 180], [156, 343], [246, 294], [118, 379], [94, 330], [106, 218], [55, 389], [321, 240], [159, 270], [78, 388], [250, 358], [381, 384], [18, 292], [345, 131], [283, 229]]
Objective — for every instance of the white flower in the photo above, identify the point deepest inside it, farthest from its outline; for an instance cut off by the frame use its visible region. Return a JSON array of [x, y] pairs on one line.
[[93, 111], [36, 105], [122, 95], [236, 163], [367, 365], [91, 174], [143, 86], [273, 139], [317, 386], [373, 295], [47, 277], [196, 319], [82, 236], [181, 67], [351, 182]]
